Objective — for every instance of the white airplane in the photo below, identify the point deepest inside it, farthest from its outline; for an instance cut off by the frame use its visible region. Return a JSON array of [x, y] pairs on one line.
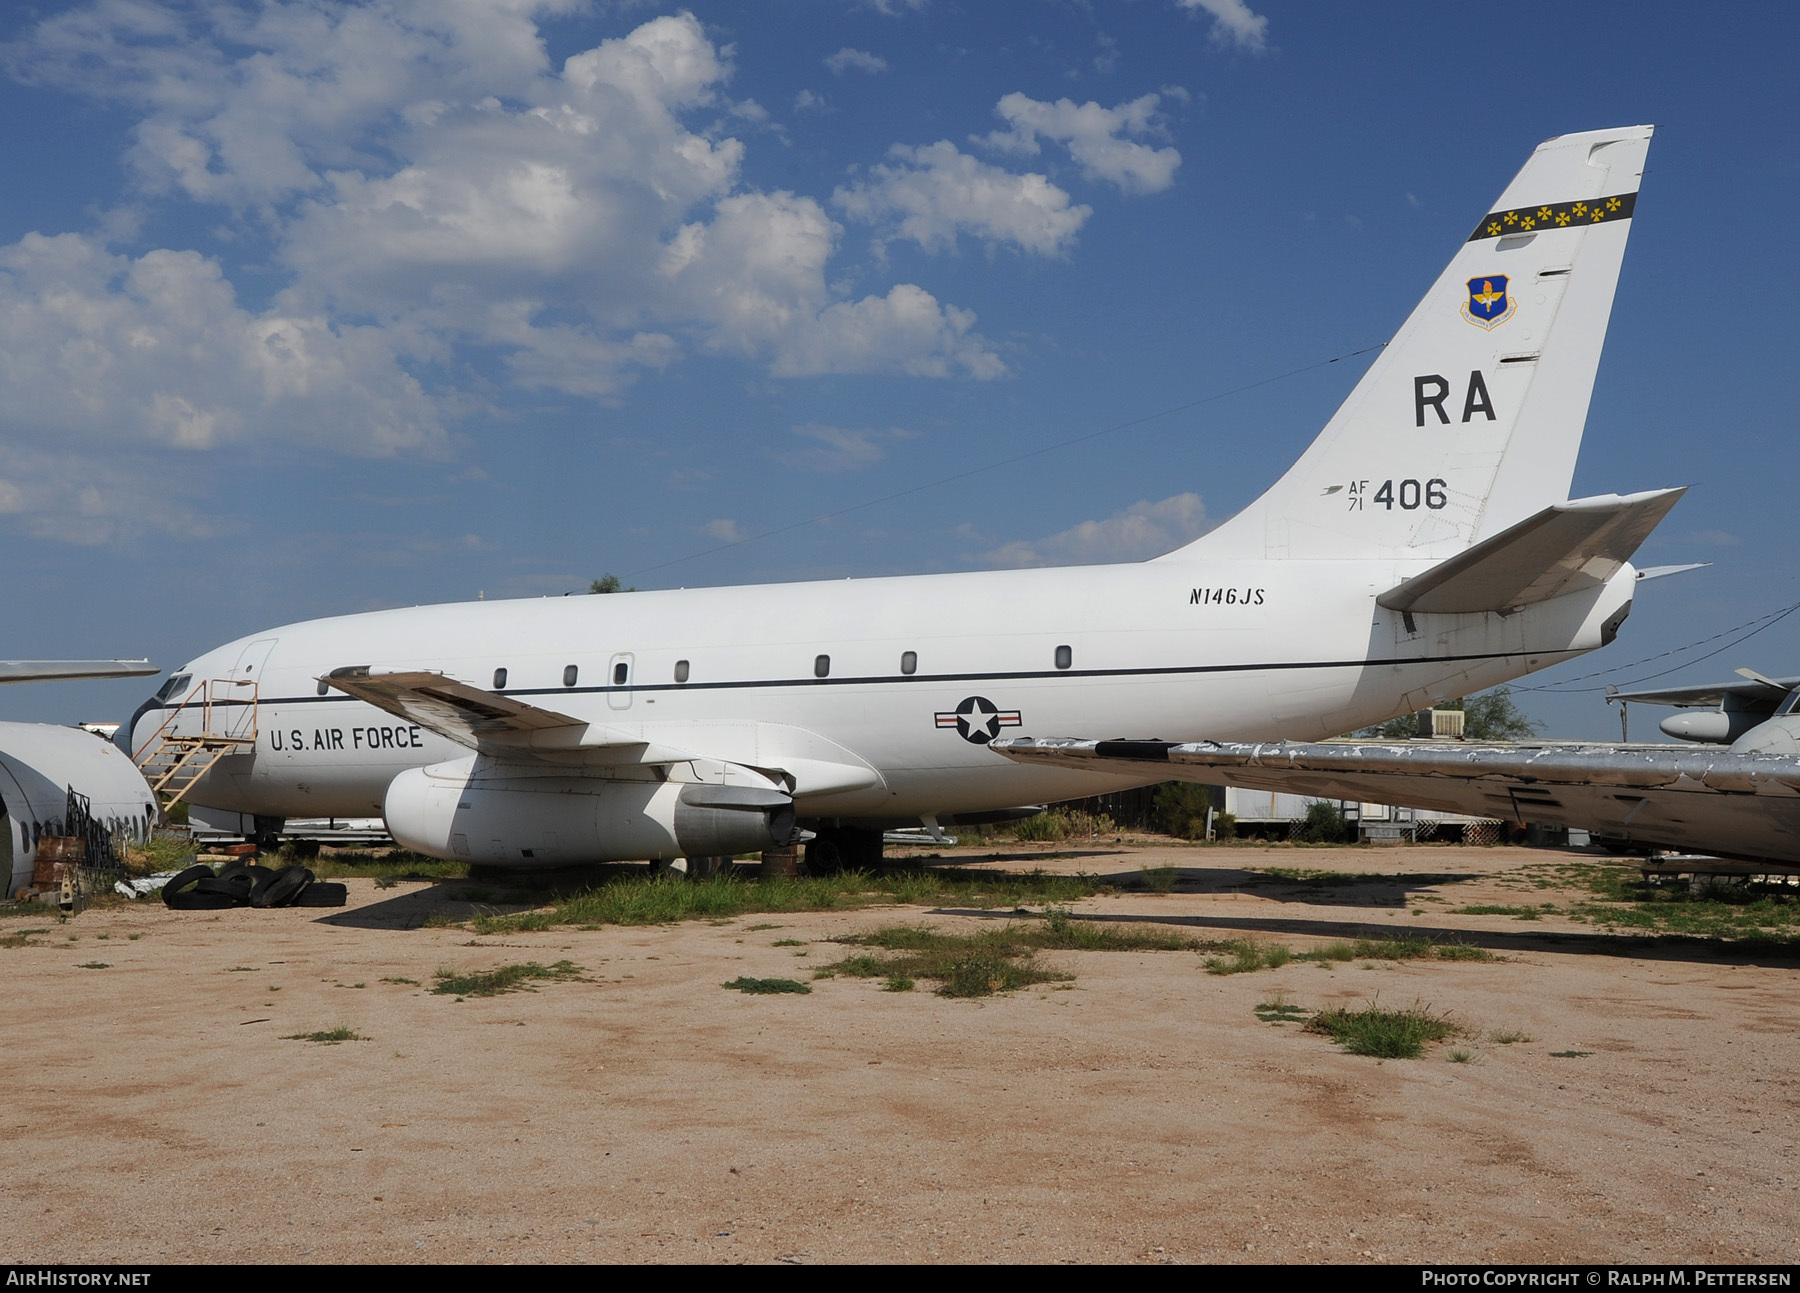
[[60, 781], [1423, 548]]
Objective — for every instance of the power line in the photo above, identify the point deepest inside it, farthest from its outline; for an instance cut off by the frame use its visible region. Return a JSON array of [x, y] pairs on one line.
[[1765, 621], [1004, 462]]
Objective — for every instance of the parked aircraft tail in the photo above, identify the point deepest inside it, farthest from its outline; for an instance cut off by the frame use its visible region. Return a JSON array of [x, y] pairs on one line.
[[1469, 421]]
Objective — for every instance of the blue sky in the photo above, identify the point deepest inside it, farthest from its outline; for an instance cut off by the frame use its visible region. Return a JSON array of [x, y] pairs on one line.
[[313, 308]]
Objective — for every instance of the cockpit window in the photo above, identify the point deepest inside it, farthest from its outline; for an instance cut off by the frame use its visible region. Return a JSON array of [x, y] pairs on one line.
[[175, 686]]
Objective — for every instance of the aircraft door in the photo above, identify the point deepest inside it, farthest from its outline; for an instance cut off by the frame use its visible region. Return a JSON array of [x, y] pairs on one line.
[[618, 680], [238, 702]]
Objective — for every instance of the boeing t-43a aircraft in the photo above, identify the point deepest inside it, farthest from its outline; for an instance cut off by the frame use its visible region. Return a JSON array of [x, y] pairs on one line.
[[1424, 547]]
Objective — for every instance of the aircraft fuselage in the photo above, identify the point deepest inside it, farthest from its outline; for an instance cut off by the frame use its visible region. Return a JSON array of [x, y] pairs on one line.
[[877, 696]]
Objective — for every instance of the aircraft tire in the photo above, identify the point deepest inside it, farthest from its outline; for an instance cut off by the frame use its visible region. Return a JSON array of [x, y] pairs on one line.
[[322, 893], [184, 882], [282, 888], [237, 887]]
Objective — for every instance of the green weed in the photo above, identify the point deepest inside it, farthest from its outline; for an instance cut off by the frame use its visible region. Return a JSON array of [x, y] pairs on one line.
[[1246, 955], [1382, 1033], [1159, 879], [1508, 1037], [1569, 1055], [504, 978], [329, 1037], [1620, 900], [634, 898], [1279, 1010], [93, 965], [766, 987]]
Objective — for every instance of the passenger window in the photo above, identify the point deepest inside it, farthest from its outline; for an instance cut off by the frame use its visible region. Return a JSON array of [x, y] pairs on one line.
[[621, 671], [1064, 657], [821, 666], [681, 671], [499, 679], [570, 674], [909, 662]]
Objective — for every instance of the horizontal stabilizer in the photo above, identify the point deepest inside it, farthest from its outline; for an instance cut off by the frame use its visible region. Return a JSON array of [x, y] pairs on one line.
[[1758, 693], [1566, 548]]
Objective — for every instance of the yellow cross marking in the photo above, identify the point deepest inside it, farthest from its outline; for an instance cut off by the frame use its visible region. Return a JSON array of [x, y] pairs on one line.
[[1612, 204], [1512, 217], [1527, 223], [1543, 213], [1493, 226], [1563, 218], [1599, 214], [1580, 208]]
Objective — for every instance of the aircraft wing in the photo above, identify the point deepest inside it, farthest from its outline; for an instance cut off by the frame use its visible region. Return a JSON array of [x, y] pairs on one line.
[[1566, 548], [491, 723], [1702, 799], [52, 670], [507, 729]]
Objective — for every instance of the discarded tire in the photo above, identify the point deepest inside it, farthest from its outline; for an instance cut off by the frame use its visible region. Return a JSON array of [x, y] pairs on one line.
[[183, 883], [323, 893], [282, 888], [235, 887]]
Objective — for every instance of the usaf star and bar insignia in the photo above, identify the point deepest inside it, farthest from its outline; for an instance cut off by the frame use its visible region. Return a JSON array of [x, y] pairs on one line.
[[1555, 215], [978, 720]]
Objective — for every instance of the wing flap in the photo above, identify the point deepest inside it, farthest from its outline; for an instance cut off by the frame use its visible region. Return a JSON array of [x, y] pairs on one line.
[[1567, 548]]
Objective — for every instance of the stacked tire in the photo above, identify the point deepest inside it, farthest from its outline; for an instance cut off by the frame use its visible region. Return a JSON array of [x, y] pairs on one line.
[[245, 884]]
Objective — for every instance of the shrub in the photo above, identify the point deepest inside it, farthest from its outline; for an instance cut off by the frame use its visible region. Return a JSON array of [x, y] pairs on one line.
[[1323, 823]]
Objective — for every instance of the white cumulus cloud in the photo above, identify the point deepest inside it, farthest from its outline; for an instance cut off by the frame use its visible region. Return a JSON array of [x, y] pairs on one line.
[[934, 192], [1141, 531], [157, 350], [836, 449], [1095, 137], [437, 193], [855, 60], [1233, 22]]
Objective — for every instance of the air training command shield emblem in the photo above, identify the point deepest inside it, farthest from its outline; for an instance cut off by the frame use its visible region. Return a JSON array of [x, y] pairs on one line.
[[1488, 305]]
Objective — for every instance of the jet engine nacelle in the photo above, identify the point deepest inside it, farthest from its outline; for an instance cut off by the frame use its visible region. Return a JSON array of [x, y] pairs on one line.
[[1716, 727], [473, 811]]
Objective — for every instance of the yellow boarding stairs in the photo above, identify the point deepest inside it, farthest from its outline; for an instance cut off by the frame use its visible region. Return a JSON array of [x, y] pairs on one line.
[[172, 760]]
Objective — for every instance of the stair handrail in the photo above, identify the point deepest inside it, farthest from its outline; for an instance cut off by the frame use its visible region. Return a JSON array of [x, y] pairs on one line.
[[203, 691], [206, 727]]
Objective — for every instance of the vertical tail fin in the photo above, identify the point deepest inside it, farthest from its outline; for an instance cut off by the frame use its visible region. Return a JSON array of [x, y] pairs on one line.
[[1470, 419]]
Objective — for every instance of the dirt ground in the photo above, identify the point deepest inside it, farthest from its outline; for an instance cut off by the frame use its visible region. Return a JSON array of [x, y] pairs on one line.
[[158, 1110]]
